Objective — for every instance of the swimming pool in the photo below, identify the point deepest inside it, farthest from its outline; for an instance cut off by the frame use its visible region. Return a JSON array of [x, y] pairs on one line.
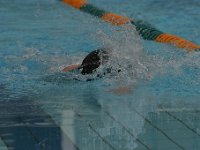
[[41, 109]]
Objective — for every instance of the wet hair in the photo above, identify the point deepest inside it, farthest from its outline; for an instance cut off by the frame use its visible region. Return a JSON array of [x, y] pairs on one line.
[[93, 60]]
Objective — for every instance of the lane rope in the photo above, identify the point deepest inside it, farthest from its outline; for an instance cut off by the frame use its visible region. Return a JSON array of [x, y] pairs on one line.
[[145, 30]]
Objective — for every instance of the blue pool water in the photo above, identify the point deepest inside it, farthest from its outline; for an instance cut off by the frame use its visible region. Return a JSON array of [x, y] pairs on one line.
[[44, 109]]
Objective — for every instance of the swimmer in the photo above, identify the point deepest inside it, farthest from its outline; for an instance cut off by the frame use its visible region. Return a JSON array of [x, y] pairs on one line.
[[91, 62]]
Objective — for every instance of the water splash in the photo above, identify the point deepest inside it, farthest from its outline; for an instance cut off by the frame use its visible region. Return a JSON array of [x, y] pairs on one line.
[[128, 61], [136, 64]]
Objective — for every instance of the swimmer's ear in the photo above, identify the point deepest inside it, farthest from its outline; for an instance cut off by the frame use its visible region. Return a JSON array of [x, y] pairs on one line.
[[72, 67]]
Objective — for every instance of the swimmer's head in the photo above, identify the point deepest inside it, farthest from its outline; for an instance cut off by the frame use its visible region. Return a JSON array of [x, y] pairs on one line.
[[91, 62]]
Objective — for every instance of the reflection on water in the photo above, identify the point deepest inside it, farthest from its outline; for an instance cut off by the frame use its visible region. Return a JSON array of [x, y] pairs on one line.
[[92, 118], [96, 119]]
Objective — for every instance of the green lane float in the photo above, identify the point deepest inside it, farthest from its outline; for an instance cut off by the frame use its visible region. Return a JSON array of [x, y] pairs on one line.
[[145, 30]]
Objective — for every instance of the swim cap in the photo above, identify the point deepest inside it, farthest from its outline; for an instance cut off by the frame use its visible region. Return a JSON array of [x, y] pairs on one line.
[[93, 60]]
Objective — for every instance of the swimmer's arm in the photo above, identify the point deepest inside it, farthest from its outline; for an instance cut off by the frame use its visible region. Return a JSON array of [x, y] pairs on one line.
[[72, 67]]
